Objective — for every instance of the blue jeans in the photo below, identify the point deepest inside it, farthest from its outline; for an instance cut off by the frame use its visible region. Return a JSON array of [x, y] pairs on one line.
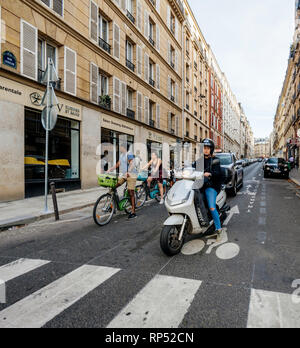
[[211, 196]]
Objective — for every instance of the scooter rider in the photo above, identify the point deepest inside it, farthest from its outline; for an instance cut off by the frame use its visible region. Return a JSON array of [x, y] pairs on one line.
[[212, 185]]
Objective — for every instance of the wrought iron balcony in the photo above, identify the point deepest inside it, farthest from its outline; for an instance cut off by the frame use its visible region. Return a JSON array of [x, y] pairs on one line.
[[172, 65], [195, 113], [172, 98], [130, 65], [173, 131], [187, 107], [130, 16], [151, 41], [151, 82], [104, 45], [130, 114], [152, 123], [56, 85]]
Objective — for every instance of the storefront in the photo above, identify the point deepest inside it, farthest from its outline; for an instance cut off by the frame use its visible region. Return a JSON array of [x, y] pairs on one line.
[[64, 154], [22, 140]]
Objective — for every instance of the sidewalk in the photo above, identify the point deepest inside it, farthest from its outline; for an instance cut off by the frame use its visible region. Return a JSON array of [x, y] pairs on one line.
[[295, 176], [26, 211]]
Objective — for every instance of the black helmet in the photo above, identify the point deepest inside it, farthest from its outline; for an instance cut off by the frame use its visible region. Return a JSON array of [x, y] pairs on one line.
[[209, 143]]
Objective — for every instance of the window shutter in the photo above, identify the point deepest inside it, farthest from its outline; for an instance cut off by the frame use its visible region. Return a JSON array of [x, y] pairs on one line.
[[70, 71], [116, 41], [158, 116], [139, 106], [94, 79], [147, 110], [157, 37], [147, 68], [158, 76], [169, 87], [117, 93], [176, 61], [29, 48], [139, 15], [94, 21], [169, 122], [124, 5], [177, 125], [139, 60], [169, 17], [146, 29], [58, 6], [176, 29], [123, 98], [158, 6], [176, 93]]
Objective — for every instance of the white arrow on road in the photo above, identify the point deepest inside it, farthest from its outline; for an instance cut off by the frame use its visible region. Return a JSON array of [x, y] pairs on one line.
[[234, 210]]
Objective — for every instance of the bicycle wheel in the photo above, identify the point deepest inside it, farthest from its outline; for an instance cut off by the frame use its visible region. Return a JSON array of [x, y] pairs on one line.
[[141, 196], [104, 210]]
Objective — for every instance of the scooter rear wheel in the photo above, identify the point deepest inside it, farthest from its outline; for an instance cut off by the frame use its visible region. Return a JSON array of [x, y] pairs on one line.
[[169, 242]]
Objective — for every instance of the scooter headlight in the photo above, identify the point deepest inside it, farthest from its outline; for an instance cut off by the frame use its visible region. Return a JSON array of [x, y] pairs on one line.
[[173, 202]]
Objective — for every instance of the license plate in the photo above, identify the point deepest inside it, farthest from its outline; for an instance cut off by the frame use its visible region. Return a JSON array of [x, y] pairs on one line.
[[277, 171]]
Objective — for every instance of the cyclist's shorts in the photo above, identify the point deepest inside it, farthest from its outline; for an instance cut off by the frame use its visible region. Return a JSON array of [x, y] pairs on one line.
[[131, 183]]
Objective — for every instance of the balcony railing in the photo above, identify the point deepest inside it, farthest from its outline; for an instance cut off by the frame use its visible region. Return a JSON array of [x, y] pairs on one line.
[[187, 107], [130, 65], [152, 123], [151, 82], [105, 102], [130, 16], [104, 45], [196, 138], [56, 85], [151, 41], [172, 131], [172, 65], [195, 113], [130, 114], [172, 98]]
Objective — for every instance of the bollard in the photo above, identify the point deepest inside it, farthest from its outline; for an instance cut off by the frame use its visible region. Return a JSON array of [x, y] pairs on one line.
[[54, 198]]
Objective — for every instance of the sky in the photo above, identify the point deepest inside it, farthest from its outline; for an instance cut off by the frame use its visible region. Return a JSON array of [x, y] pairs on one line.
[[251, 41]]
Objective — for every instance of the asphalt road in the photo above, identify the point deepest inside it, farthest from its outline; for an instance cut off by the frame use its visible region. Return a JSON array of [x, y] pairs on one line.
[[75, 274]]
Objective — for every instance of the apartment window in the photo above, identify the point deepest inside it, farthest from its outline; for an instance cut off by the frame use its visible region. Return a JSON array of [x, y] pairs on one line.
[[130, 10], [103, 80], [129, 55], [56, 5], [46, 51], [151, 73], [151, 32], [172, 57], [172, 23], [104, 34], [187, 98], [172, 90], [130, 99], [187, 45]]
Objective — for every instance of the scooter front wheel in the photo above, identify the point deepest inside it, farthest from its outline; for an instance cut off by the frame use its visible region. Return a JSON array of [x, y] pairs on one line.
[[169, 240]]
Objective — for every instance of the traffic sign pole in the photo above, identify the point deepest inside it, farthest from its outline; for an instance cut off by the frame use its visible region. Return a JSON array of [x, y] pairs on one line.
[[47, 139]]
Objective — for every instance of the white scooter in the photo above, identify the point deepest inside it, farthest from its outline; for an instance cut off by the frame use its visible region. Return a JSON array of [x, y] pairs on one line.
[[183, 219]]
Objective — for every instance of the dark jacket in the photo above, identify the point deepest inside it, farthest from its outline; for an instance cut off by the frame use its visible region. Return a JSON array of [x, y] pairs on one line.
[[213, 166]]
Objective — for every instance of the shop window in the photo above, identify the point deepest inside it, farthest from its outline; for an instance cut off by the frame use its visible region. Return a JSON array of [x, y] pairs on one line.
[[64, 150]]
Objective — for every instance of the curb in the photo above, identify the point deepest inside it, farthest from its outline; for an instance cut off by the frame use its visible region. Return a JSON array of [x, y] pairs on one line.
[[295, 181], [35, 218]]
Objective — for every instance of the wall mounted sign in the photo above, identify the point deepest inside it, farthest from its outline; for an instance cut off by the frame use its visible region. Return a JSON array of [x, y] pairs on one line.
[[9, 59]]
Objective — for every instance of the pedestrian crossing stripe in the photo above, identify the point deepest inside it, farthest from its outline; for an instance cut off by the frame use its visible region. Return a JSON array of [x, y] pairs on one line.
[[162, 303], [38, 309], [20, 267]]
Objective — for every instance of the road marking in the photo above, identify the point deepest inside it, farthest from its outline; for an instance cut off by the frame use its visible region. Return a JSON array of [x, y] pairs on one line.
[[193, 247], [272, 310], [228, 251], [20, 267], [234, 210], [163, 303], [213, 244], [39, 308]]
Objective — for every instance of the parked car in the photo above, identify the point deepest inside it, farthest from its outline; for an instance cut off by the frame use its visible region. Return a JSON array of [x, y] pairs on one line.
[[229, 161], [276, 167], [241, 163]]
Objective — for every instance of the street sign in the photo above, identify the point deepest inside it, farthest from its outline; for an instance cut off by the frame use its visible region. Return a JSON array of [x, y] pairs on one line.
[[49, 95], [51, 75], [50, 113]]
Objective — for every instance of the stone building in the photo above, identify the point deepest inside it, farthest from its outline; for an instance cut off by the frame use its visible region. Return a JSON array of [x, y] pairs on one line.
[[120, 69]]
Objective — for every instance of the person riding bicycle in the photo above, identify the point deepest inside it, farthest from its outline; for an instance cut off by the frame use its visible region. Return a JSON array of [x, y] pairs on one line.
[[128, 173], [156, 174], [212, 185]]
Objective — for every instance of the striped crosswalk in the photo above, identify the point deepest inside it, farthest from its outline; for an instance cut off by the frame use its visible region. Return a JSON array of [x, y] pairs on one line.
[[163, 302]]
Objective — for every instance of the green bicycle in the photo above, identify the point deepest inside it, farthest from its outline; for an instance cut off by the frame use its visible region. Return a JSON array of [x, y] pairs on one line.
[[108, 204]]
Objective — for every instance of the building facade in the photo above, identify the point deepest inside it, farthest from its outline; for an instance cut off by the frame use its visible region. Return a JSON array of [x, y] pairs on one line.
[[135, 72], [119, 81], [286, 131], [262, 148]]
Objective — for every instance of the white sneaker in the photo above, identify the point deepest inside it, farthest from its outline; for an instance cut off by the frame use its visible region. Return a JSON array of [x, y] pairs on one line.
[[162, 202], [221, 233]]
